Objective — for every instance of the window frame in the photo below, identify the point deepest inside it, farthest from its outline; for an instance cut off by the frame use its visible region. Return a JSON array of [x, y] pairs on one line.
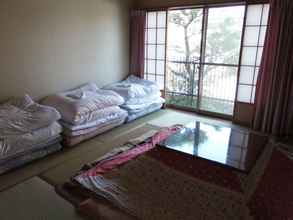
[[202, 63]]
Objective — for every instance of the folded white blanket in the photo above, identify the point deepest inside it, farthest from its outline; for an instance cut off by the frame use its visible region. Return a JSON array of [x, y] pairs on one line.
[[98, 129], [152, 108], [142, 100], [134, 87], [97, 115], [139, 107], [77, 106], [16, 144], [23, 115], [114, 115]]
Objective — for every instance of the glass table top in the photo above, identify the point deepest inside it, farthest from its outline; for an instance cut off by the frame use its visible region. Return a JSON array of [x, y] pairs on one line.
[[235, 148]]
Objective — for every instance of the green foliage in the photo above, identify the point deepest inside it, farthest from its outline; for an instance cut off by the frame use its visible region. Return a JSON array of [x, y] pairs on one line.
[[207, 104], [222, 46], [222, 41], [184, 18], [189, 137]]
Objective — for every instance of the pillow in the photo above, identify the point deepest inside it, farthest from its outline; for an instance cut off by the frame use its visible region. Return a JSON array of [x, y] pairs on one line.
[[22, 115], [75, 105], [88, 87], [21, 102], [134, 87]]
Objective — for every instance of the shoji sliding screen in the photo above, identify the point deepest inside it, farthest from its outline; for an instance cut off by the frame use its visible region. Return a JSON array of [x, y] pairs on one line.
[[252, 48], [255, 29], [155, 47]]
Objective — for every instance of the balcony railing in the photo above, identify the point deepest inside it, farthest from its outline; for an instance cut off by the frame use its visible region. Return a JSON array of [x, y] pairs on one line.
[[213, 90]]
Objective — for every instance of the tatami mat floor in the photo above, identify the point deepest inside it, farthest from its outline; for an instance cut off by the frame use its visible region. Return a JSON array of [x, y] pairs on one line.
[[34, 199], [58, 168]]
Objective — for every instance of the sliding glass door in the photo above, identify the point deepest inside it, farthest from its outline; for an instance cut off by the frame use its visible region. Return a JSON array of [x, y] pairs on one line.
[[203, 56], [196, 53], [223, 31], [184, 55]]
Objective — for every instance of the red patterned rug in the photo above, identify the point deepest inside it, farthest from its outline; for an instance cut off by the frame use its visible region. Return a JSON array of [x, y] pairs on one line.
[[194, 167], [198, 168], [151, 182], [273, 198], [170, 180]]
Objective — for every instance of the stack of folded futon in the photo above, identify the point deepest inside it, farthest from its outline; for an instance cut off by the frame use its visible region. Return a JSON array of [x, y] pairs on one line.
[[141, 96], [28, 131], [86, 112]]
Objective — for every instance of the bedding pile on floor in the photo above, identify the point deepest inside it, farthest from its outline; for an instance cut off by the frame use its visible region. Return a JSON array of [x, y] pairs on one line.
[[28, 131], [87, 111], [141, 96]]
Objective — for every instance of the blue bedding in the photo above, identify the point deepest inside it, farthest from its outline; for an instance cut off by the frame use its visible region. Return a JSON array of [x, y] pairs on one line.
[[148, 110]]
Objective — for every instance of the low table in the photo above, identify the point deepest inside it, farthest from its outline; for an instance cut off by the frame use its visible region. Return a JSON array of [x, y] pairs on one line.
[[230, 147]]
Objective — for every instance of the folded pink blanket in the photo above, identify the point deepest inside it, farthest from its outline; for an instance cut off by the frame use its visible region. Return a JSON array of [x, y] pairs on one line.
[[110, 163]]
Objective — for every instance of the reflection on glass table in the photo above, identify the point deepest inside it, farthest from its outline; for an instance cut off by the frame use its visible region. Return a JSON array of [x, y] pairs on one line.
[[234, 148]]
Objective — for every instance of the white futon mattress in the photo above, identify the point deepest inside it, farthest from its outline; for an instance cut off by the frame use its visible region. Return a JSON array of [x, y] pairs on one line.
[[77, 106], [14, 145]]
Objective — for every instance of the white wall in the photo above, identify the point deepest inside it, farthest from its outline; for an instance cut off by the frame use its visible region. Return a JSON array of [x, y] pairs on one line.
[[53, 45]]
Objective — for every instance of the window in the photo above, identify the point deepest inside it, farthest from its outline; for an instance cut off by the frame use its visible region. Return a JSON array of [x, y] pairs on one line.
[[206, 58], [155, 47], [252, 48], [221, 59], [203, 57]]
